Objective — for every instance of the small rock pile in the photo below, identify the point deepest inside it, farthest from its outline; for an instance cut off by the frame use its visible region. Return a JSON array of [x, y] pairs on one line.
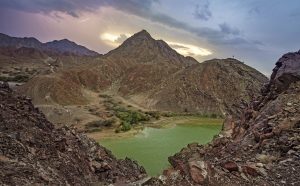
[[259, 146], [34, 152]]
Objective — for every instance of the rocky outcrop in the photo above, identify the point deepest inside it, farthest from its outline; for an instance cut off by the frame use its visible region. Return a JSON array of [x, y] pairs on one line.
[[263, 147], [34, 152]]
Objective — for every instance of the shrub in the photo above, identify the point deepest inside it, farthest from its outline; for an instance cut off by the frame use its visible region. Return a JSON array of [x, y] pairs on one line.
[[17, 78], [20, 78], [131, 117], [125, 126], [104, 96], [168, 114], [153, 114]]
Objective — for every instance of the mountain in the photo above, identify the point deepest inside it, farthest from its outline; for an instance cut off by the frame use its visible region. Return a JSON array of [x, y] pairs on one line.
[[29, 42], [142, 48], [259, 144], [55, 47], [34, 152], [209, 87], [148, 73], [66, 46]]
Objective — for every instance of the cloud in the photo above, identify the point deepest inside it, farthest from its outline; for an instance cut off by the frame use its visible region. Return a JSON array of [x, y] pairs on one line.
[[254, 10], [114, 39], [202, 11], [188, 49], [74, 7], [226, 29], [225, 33], [121, 38], [177, 46]]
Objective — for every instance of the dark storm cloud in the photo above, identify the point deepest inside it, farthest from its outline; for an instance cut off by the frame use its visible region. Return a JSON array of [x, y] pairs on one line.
[[202, 11], [224, 35], [74, 7], [227, 29]]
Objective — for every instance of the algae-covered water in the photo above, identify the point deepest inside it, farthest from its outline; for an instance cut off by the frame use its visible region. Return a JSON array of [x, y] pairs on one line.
[[152, 147]]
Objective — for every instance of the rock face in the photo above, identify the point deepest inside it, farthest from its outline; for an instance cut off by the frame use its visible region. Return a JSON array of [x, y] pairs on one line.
[[33, 152], [150, 74], [261, 144]]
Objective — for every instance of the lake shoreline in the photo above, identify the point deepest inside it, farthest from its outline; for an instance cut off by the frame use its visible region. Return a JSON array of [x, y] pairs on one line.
[[164, 122]]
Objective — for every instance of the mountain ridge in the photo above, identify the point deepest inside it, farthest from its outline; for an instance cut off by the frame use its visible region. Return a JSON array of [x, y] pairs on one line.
[[63, 46]]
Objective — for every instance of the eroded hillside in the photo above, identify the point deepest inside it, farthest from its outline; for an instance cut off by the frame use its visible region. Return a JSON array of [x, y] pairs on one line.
[[34, 152]]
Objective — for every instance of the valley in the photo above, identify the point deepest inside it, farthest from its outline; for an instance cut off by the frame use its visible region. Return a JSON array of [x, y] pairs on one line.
[[167, 116], [138, 82], [149, 93]]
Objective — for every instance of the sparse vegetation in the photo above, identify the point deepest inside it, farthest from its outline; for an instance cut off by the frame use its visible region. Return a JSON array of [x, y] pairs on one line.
[[125, 126], [132, 117], [94, 130], [200, 115], [154, 114], [100, 123], [17, 78]]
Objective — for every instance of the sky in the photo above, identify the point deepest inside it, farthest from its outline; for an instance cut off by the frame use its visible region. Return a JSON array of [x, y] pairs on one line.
[[256, 32]]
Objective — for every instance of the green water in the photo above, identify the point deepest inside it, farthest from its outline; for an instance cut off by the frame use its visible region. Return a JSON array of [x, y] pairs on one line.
[[152, 147]]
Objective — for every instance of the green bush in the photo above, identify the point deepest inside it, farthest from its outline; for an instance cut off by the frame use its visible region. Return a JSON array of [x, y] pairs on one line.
[[132, 117], [153, 114], [125, 126]]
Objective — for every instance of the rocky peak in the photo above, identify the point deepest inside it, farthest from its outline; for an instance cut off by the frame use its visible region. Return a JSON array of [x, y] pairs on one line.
[[143, 48], [143, 34]]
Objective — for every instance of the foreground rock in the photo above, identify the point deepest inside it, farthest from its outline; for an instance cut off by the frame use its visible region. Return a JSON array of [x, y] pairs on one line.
[[261, 144], [33, 152]]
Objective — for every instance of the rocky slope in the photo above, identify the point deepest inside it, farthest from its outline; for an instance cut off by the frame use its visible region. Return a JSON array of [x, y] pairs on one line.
[[148, 73], [34, 152], [259, 146], [54, 47]]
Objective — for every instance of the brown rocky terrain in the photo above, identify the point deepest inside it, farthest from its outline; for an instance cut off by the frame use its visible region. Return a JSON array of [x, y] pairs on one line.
[[34, 152], [260, 144], [150, 74], [21, 64]]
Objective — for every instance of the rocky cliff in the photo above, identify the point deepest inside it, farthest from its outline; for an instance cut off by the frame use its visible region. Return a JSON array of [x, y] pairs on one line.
[[34, 152], [260, 145]]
